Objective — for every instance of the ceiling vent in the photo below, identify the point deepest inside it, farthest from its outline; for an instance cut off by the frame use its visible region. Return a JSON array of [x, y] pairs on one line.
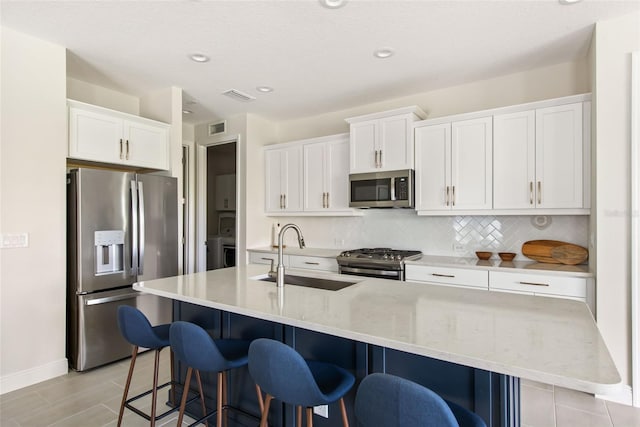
[[238, 96], [218, 128]]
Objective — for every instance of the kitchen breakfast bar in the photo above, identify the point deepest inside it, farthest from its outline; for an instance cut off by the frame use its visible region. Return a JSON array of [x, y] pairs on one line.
[[470, 346]]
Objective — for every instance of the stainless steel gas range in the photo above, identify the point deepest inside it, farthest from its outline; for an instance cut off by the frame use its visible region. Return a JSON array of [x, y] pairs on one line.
[[384, 263]]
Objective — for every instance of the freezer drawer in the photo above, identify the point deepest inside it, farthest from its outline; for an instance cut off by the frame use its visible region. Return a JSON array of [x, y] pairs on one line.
[[94, 338]]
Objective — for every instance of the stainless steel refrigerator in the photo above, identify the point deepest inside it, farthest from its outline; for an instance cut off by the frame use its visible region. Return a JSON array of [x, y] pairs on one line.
[[122, 228]]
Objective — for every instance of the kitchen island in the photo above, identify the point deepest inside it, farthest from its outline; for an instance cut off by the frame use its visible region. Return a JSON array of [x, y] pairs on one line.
[[445, 338]]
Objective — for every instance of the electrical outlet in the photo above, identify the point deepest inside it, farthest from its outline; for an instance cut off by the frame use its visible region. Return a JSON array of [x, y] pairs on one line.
[[458, 247], [322, 410]]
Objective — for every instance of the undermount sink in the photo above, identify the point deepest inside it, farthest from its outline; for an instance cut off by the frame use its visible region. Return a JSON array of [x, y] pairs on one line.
[[310, 282]]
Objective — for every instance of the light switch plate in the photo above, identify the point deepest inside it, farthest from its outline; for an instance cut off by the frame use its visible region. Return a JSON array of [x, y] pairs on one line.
[[14, 240]]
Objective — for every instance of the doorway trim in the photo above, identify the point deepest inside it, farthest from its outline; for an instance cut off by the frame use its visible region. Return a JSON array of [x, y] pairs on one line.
[[635, 227], [201, 197]]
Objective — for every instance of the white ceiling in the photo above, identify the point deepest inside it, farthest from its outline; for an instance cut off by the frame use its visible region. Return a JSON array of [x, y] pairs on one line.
[[317, 59]]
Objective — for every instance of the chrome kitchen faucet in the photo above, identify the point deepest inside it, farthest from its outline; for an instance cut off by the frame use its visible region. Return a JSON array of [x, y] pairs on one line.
[[280, 267]]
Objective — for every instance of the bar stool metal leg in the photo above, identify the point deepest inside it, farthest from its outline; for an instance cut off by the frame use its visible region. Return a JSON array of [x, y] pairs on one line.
[[127, 384]]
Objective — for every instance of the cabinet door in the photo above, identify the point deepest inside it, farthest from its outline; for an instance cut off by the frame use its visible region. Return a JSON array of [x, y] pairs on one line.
[[364, 146], [471, 164], [293, 180], [433, 157], [94, 136], [315, 165], [395, 150], [559, 157], [514, 160], [274, 166], [146, 145], [337, 175]]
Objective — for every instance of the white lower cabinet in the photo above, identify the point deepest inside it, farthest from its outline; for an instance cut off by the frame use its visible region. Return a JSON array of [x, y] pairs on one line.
[[295, 261], [468, 278], [313, 263], [266, 258], [538, 284]]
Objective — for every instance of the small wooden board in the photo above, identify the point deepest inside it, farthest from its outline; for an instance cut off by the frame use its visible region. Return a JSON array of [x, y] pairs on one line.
[[555, 252]]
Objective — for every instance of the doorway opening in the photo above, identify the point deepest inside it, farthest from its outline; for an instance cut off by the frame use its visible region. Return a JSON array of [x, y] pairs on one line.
[[221, 205]]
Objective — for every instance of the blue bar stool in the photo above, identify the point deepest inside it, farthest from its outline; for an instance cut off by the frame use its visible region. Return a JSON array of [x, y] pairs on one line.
[[283, 374], [193, 346], [385, 400], [136, 329]]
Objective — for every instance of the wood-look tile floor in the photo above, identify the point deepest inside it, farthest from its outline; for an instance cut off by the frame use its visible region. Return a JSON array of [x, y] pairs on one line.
[[93, 399]]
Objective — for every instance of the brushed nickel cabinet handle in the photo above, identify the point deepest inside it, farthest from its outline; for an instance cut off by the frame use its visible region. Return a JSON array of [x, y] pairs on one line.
[[443, 275], [380, 158], [327, 200], [284, 198], [531, 192], [446, 200], [376, 158], [281, 201], [453, 195], [539, 192], [312, 263], [127, 150], [534, 284], [120, 148]]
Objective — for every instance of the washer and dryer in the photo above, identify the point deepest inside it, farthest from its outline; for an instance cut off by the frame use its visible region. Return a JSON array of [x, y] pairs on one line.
[[221, 248]]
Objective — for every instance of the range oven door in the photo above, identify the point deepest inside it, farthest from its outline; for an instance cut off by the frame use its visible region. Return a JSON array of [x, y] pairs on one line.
[[372, 272]]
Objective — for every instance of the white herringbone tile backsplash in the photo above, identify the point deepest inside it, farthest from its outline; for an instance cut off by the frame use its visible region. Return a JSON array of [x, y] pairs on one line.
[[446, 236]]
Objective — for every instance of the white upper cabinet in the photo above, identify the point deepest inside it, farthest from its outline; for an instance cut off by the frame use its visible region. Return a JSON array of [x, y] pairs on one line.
[[539, 159], [514, 160], [283, 167], [559, 157], [326, 175], [453, 166], [383, 141], [309, 177], [523, 159], [98, 134]]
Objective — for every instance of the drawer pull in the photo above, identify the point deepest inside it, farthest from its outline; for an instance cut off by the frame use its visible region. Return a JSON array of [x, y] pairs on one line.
[[534, 284], [312, 263], [443, 275], [267, 259]]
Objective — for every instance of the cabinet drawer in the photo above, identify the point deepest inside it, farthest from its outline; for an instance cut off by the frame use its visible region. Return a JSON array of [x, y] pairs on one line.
[[313, 263], [265, 258], [447, 276], [573, 287]]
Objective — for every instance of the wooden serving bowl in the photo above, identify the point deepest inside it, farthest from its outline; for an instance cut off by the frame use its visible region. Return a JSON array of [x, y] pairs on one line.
[[506, 256], [483, 255]]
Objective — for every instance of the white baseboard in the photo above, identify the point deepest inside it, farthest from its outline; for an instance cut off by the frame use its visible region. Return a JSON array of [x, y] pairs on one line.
[[34, 375], [624, 396]]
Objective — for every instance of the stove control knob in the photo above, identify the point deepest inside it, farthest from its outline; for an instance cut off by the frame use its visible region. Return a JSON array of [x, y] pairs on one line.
[[386, 256], [399, 257], [346, 254]]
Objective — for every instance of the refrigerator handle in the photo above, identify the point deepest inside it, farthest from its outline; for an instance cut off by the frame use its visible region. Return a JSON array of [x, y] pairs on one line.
[[141, 233], [134, 227]]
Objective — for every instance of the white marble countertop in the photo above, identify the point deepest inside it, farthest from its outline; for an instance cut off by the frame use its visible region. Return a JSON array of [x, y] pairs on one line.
[[555, 341]]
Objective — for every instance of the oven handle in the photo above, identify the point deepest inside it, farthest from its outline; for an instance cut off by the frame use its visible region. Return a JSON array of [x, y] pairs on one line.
[[370, 271]]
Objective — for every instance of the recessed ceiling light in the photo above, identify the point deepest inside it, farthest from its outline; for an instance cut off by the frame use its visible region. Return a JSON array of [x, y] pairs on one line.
[[383, 53], [567, 2], [199, 57], [187, 111], [264, 89], [333, 4]]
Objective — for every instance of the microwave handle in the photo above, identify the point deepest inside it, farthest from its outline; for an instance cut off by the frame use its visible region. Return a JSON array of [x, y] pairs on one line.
[[393, 188]]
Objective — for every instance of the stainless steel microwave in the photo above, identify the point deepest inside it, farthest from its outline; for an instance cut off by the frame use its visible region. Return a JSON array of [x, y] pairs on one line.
[[392, 189]]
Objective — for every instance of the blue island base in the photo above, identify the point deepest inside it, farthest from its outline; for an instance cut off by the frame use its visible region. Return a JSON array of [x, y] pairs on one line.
[[494, 397]]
